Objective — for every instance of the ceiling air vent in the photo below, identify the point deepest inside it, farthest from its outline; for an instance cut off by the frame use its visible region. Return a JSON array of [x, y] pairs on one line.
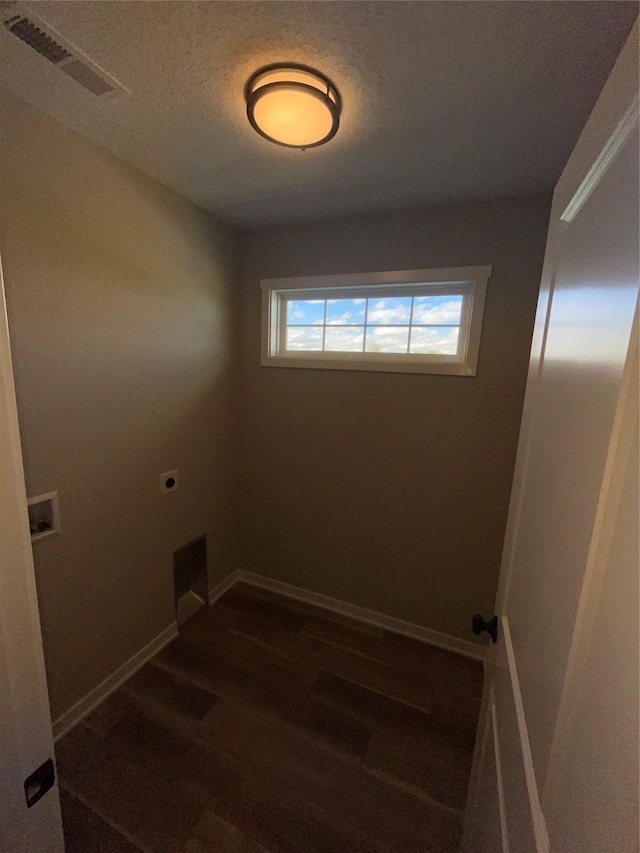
[[32, 35], [21, 22]]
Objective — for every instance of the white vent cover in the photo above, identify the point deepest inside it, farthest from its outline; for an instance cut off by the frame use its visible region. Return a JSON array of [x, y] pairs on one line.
[[39, 36]]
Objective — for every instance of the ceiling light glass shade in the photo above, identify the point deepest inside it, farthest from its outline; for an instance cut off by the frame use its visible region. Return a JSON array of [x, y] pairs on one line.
[[293, 105]]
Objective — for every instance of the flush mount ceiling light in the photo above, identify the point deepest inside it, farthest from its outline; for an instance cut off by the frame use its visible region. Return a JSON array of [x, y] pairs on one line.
[[293, 105]]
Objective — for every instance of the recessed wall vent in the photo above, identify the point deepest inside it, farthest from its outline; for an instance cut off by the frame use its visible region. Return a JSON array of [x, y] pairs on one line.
[[21, 22]]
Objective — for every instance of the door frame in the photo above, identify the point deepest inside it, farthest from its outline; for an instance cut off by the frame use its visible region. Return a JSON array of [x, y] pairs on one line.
[[26, 739]]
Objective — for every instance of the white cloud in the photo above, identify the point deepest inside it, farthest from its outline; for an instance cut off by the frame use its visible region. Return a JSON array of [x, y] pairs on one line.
[[388, 311], [387, 340], [344, 339], [447, 312], [304, 338], [434, 340]]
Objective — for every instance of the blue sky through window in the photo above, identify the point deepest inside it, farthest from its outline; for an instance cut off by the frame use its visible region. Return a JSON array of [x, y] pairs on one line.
[[305, 312], [430, 327], [345, 312]]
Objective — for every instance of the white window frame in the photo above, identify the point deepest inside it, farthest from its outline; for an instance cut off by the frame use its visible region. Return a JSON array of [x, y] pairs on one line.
[[471, 282]]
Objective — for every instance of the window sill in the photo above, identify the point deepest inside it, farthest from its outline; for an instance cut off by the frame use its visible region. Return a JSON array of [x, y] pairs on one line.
[[384, 365]]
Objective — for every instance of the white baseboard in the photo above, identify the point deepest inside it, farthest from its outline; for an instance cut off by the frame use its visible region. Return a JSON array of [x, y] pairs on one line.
[[379, 620], [88, 703], [188, 605], [219, 590]]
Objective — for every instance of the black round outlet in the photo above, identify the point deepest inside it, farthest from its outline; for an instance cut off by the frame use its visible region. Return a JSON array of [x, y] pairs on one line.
[[170, 482]]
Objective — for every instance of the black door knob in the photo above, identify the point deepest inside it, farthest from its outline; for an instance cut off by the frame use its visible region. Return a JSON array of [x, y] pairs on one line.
[[478, 625]]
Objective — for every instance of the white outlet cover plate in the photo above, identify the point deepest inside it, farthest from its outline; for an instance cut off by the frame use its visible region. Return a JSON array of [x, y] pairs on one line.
[[164, 488]]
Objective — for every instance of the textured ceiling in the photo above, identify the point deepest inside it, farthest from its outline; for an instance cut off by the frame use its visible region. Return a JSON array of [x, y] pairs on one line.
[[443, 101]]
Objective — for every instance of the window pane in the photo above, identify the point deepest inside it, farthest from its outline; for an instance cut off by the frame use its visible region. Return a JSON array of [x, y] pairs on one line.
[[343, 339], [305, 312], [345, 311], [437, 310], [387, 339], [434, 341], [304, 338], [388, 311]]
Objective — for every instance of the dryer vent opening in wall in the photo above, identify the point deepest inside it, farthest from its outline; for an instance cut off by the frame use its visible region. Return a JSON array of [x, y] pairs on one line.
[[190, 578]]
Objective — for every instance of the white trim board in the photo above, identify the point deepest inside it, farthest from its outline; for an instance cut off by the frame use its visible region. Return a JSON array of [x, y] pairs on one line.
[[93, 698], [361, 614], [90, 702], [219, 590], [537, 816]]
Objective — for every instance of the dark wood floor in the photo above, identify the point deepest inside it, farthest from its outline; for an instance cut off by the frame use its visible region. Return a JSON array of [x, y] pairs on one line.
[[271, 725]]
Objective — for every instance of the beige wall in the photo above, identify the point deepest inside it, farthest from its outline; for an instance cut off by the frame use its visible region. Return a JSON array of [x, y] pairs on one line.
[[386, 490], [390, 491], [119, 305]]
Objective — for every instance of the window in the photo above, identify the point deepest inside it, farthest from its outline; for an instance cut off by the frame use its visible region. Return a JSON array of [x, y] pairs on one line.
[[416, 321]]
